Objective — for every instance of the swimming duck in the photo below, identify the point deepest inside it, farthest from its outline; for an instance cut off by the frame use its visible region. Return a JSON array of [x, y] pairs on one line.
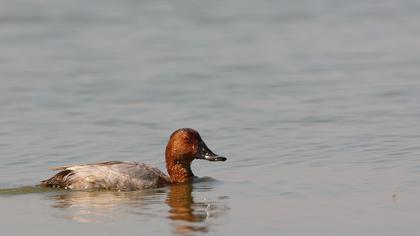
[[183, 147]]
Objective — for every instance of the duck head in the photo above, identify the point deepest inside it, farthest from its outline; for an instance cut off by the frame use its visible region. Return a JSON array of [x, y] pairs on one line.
[[183, 147]]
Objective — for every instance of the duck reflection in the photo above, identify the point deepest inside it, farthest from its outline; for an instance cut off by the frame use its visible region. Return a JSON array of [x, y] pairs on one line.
[[100, 206], [183, 208], [186, 214]]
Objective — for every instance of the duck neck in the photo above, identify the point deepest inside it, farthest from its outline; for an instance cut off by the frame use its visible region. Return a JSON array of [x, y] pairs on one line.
[[180, 172]]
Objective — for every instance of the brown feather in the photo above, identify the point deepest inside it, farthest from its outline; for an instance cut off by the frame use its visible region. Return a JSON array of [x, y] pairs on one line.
[[58, 180]]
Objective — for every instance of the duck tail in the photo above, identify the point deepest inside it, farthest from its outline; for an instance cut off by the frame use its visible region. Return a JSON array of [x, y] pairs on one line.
[[60, 180]]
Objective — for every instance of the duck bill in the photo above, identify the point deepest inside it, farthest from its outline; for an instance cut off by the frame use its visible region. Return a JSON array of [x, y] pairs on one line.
[[205, 153]]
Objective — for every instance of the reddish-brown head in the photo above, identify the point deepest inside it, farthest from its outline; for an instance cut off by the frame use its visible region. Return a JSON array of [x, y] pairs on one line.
[[183, 147]]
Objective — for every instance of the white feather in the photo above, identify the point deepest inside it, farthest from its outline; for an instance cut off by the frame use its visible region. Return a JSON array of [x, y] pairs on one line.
[[116, 175]]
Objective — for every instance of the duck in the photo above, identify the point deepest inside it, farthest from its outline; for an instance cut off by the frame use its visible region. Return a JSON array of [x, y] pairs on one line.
[[184, 146]]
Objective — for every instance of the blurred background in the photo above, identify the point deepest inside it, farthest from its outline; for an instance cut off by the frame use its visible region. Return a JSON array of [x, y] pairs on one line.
[[315, 104]]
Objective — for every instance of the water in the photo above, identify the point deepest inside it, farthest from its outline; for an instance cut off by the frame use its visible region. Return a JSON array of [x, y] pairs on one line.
[[315, 104]]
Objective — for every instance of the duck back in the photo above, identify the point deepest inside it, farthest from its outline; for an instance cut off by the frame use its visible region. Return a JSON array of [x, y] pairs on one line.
[[111, 175]]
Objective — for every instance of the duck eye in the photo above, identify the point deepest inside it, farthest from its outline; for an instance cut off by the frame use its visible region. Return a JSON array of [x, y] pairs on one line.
[[187, 139]]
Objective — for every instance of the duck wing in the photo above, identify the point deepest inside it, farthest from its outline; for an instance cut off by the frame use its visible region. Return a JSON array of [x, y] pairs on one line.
[[104, 163], [111, 175]]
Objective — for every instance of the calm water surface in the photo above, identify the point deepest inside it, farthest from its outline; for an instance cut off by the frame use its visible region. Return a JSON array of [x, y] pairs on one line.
[[315, 104]]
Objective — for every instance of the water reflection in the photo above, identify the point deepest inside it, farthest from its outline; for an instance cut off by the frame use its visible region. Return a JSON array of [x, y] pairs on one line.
[[100, 206], [187, 214], [183, 208]]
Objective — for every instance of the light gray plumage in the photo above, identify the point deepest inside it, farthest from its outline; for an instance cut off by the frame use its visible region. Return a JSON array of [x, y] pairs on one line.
[[111, 175]]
